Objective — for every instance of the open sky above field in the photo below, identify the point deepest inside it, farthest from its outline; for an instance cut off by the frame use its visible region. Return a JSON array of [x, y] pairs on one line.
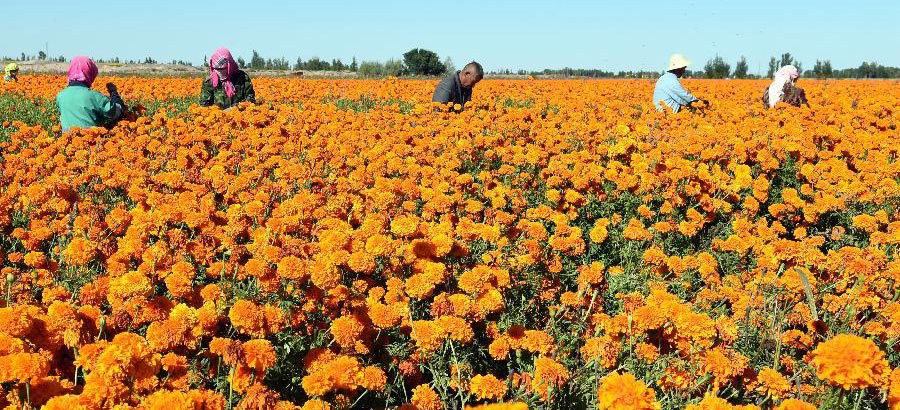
[[525, 34]]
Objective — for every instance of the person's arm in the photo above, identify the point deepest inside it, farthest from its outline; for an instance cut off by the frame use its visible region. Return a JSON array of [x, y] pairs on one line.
[[116, 100], [802, 95], [108, 111], [113, 107], [206, 94], [249, 94], [442, 93], [682, 95]]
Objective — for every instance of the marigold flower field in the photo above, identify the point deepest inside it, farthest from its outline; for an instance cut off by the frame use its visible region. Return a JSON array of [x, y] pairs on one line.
[[557, 245]]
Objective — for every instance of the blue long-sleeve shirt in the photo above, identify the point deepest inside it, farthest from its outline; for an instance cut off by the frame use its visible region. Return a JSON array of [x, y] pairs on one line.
[[669, 91]]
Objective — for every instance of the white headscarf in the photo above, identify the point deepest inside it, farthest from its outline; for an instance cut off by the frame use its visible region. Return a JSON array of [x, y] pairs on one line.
[[782, 76]]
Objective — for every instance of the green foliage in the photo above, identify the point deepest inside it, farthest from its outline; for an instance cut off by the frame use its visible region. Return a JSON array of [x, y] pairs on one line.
[[371, 69], [717, 68], [822, 69], [394, 67], [31, 112], [366, 104], [741, 68], [773, 67], [423, 62]]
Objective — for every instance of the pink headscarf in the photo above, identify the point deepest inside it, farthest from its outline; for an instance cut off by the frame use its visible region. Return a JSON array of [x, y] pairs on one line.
[[220, 57], [82, 69], [782, 76]]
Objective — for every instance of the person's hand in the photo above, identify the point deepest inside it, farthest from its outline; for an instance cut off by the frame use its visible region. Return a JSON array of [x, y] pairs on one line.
[[111, 88]]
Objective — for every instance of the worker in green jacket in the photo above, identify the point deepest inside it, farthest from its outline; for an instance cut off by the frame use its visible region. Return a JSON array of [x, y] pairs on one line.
[[11, 73], [227, 85], [81, 107]]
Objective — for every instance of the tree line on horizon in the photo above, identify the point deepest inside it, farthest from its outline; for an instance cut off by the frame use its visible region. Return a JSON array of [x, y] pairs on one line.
[[414, 62], [422, 62], [716, 67]]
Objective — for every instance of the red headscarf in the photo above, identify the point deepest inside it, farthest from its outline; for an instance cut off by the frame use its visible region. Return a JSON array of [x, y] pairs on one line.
[[82, 69], [222, 57]]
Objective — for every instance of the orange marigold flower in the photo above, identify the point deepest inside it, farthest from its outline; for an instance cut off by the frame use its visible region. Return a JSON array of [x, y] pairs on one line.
[[419, 286], [711, 402], [405, 225], [259, 354], [231, 351], [247, 318], [378, 245], [80, 251], [592, 275], [23, 367], [373, 378], [317, 384], [867, 223], [624, 392], [325, 274], [499, 348], [500, 406], [346, 330], [794, 404], [635, 231], [487, 387], [893, 397], [770, 382], [547, 374], [850, 361], [424, 398], [316, 404], [455, 328]]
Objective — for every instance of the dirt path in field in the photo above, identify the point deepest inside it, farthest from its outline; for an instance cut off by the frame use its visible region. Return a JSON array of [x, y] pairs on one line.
[[167, 70], [180, 70]]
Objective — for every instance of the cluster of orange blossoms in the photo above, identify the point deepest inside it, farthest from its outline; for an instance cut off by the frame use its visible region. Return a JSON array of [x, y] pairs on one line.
[[558, 244]]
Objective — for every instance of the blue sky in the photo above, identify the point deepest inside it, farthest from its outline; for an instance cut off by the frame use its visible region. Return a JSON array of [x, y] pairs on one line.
[[625, 34]]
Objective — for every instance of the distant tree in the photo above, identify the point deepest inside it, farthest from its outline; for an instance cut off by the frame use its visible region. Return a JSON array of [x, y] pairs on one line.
[[717, 68], [205, 61], [741, 68], [42, 55], [449, 67], [873, 70], [257, 62], [298, 65], [22, 58], [337, 65], [773, 67], [241, 63], [423, 62], [786, 59], [149, 60], [394, 67], [371, 68], [317, 64], [823, 69], [353, 65]]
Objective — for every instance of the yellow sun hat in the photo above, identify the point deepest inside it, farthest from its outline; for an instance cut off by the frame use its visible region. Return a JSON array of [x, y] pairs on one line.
[[677, 61], [11, 67]]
